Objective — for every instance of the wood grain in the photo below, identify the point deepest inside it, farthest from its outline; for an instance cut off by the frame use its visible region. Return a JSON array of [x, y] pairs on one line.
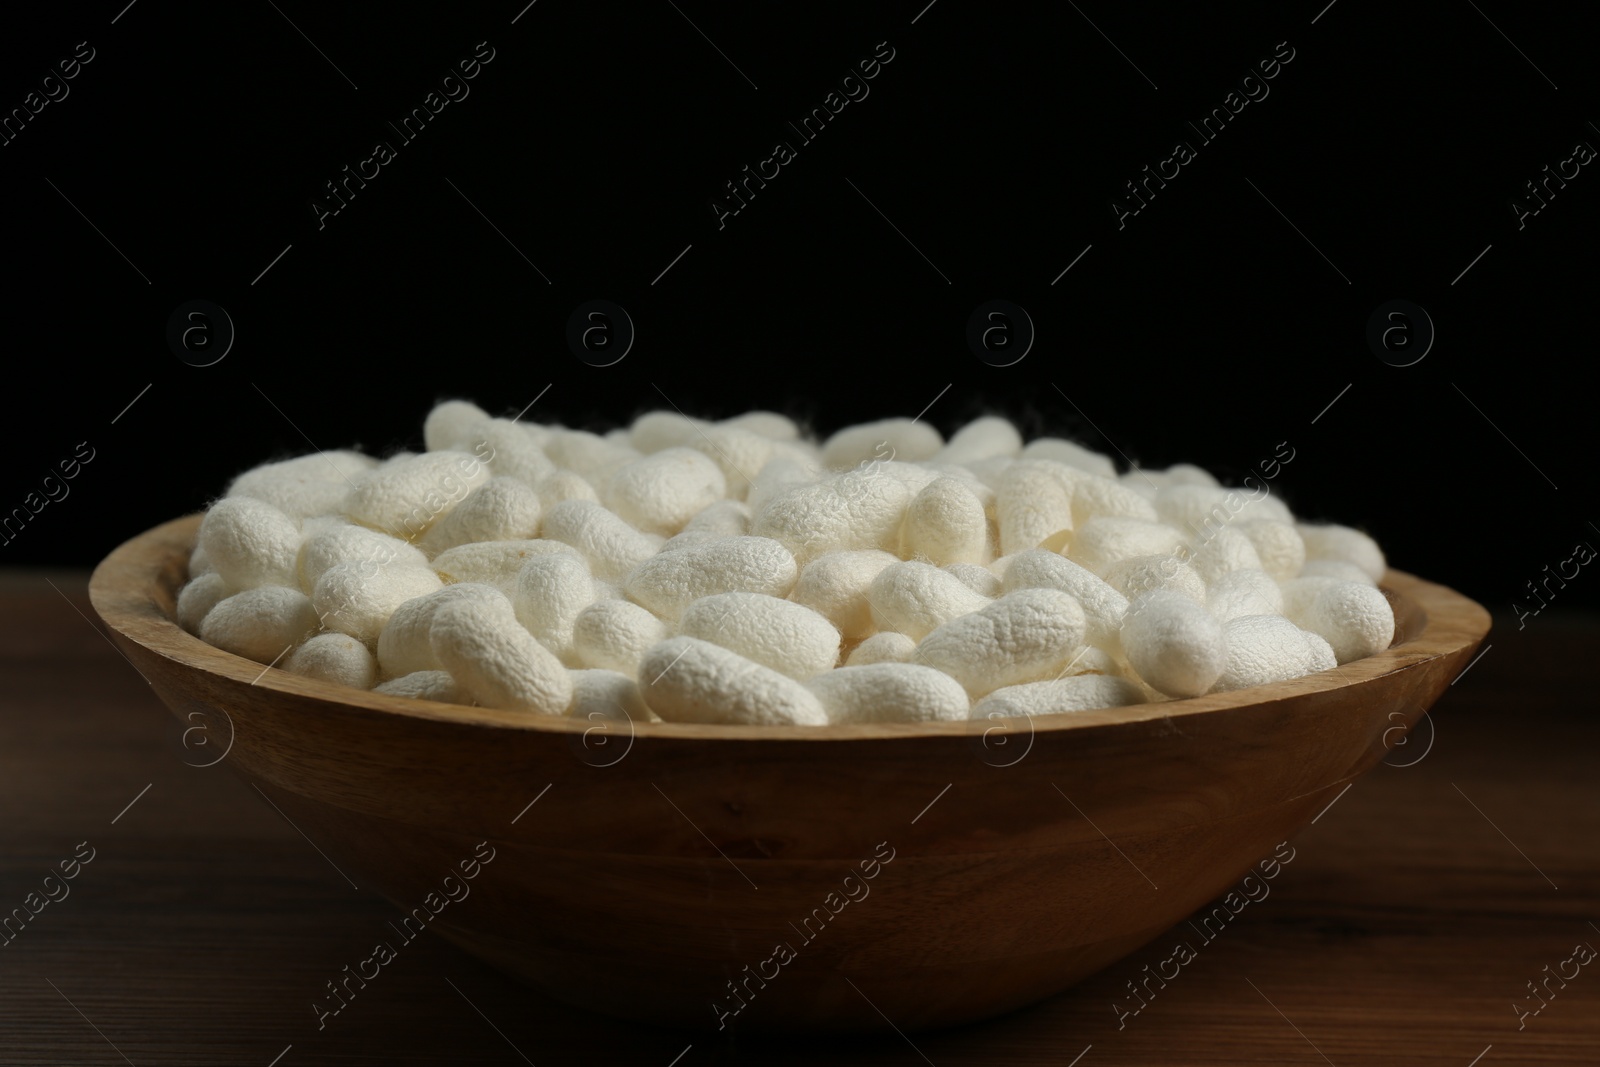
[[723, 854], [1400, 933]]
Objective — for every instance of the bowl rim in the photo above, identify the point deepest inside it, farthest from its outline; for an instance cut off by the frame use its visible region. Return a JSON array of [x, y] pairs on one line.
[[122, 591]]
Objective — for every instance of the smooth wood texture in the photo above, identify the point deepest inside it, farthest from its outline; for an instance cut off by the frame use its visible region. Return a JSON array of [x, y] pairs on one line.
[[714, 843], [714, 846], [1398, 936]]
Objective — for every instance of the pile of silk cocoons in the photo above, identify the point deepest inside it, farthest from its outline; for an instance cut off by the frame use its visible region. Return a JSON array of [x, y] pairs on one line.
[[740, 572]]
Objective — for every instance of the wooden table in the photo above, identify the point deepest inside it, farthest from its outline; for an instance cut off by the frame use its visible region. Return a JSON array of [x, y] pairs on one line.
[[1414, 914]]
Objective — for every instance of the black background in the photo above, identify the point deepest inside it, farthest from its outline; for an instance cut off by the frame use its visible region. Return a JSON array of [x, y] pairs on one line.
[[1207, 329]]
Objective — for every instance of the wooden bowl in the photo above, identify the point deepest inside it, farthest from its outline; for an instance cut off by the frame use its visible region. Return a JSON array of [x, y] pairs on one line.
[[663, 865]]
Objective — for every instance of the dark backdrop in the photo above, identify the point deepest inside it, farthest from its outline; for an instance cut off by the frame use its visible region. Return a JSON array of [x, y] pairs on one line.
[[183, 159]]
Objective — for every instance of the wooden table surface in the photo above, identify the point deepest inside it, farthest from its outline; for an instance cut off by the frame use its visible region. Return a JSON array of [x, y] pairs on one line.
[[1414, 915]]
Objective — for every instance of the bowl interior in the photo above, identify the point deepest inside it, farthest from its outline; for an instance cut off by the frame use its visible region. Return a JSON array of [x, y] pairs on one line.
[[138, 585]]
